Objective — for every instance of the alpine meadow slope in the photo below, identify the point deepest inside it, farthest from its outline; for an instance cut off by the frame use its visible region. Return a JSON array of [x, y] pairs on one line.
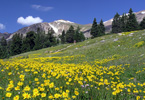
[[106, 67]]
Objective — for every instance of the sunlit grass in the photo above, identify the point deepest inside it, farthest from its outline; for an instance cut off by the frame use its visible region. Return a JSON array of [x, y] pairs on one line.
[[105, 68]]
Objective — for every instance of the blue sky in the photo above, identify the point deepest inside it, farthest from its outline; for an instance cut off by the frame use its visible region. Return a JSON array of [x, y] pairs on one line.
[[15, 14]]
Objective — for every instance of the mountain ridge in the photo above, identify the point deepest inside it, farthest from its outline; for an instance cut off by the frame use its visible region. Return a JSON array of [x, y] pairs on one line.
[[59, 25]]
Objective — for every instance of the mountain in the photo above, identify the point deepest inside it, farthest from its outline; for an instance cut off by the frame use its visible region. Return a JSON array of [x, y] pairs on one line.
[[59, 25], [5, 35]]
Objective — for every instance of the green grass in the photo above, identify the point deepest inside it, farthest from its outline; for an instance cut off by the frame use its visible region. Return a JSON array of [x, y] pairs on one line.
[[96, 58], [95, 49]]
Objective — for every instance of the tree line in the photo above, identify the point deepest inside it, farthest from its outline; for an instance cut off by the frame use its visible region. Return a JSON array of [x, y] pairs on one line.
[[97, 29], [126, 23], [37, 40], [120, 23]]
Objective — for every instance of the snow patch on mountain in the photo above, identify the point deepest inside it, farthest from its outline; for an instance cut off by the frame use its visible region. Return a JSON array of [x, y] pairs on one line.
[[54, 28], [143, 12], [63, 21]]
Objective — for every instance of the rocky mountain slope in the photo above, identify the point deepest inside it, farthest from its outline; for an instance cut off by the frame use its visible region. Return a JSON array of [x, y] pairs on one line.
[[5, 35], [59, 25]]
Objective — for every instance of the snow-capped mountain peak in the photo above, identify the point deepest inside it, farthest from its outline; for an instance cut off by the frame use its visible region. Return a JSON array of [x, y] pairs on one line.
[[63, 21]]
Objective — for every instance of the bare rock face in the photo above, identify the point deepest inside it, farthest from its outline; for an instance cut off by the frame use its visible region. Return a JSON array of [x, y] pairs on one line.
[[5, 35], [43, 26], [140, 15]]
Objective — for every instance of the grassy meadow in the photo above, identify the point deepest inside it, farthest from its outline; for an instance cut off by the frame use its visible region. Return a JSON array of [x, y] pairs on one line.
[[110, 67]]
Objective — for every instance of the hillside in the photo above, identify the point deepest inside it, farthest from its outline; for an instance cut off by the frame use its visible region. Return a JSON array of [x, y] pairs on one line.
[[107, 67], [5, 35], [99, 48]]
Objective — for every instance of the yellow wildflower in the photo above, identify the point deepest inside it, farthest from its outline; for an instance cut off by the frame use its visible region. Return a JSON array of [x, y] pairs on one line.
[[27, 88], [8, 94], [50, 97], [16, 97], [56, 95], [43, 95], [65, 95], [76, 92], [26, 96]]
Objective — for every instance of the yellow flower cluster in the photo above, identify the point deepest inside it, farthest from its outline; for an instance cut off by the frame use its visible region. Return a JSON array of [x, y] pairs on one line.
[[139, 44], [37, 78]]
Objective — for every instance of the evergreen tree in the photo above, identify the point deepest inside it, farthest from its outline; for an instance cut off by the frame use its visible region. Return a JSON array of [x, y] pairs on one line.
[[116, 24], [57, 41], [39, 40], [1, 52], [82, 37], [94, 29], [29, 41], [30, 37], [51, 37], [70, 35], [25, 45], [63, 37], [124, 19], [142, 24], [132, 23], [3, 48], [101, 28], [77, 37], [47, 43], [16, 44], [3, 42]]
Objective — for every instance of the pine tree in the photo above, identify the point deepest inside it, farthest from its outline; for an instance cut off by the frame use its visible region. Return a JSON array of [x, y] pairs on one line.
[[3, 42], [30, 37], [101, 28], [29, 41], [77, 37], [47, 43], [82, 37], [3, 48], [94, 29], [132, 23], [124, 19], [70, 35], [63, 37], [51, 37], [142, 24], [39, 40], [25, 45], [16, 44], [1, 52], [116, 24]]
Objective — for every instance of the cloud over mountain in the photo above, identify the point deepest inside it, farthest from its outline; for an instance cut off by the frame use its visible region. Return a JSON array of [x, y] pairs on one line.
[[2, 26], [41, 8], [29, 20]]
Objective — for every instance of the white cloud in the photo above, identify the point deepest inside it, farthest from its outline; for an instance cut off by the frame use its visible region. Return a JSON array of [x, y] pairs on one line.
[[41, 8], [29, 20], [2, 26]]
